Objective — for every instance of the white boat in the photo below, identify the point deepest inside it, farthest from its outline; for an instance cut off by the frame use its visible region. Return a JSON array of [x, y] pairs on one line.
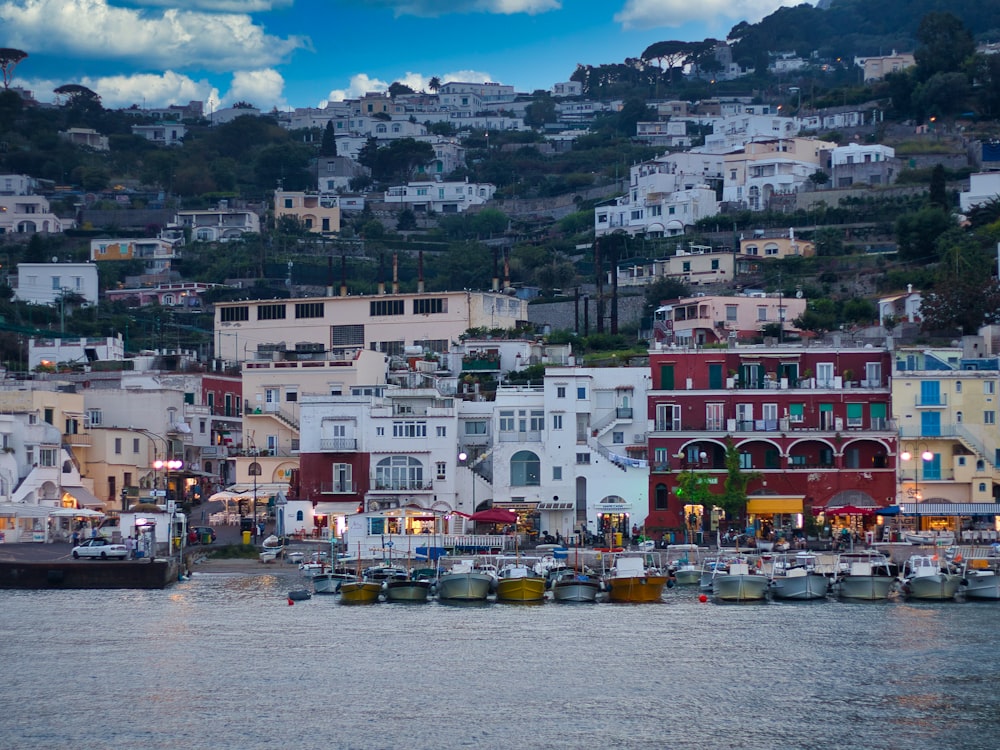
[[683, 564], [572, 586], [739, 581], [929, 577], [464, 581], [328, 581], [935, 538], [794, 576], [864, 575], [271, 549], [982, 579]]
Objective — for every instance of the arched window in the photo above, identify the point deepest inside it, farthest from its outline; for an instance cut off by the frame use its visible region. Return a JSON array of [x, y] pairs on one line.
[[958, 416], [399, 473], [299, 516], [660, 497], [980, 465], [525, 470]]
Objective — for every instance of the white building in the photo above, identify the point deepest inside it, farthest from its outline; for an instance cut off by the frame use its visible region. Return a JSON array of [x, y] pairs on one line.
[[218, 225], [983, 187], [17, 184], [440, 197], [767, 168], [162, 134], [57, 350], [567, 88], [50, 283], [27, 214], [474, 96]]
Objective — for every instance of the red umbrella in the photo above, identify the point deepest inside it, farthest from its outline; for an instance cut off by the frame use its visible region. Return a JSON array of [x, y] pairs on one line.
[[494, 515]]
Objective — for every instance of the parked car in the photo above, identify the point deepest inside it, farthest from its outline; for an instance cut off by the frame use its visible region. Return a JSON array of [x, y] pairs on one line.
[[203, 532], [99, 547]]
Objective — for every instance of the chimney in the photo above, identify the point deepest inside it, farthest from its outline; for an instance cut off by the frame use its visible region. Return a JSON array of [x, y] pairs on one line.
[[395, 273], [506, 270], [343, 275], [420, 272], [496, 276], [329, 276], [381, 274]]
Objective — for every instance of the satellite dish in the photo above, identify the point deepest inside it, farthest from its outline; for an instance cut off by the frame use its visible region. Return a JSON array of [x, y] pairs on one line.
[[798, 294], [55, 258]]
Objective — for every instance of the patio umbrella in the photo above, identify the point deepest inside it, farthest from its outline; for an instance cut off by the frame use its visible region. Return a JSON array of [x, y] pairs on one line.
[[850, 510], [76, 513], [494, 515]]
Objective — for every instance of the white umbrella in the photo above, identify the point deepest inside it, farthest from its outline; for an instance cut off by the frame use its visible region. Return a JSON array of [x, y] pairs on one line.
[[76, 513]]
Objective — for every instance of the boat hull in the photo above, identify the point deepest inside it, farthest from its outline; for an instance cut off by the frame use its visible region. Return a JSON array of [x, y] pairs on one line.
[[359, 592], [464, 586], [637, 590], [523, 589], [407, 591], [687, 576], [982, 586], [812, 586], [569, 590], [327, 583], [740, 587], [868, 588], [939, 587]]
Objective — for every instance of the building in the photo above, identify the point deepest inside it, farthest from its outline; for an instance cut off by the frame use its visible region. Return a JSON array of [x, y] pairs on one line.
[[387, 323], [710, 319], [474, 97], [698, 264], [182, 294], [813, 424], [764, 170], [862, 164], [157, 254], [878, 67], [765, 244], [17, 184], [162, 134], [316, 212], [52, 283], [983, 188], [218, 225], [85, 137], [56, 351], [901, 308], [440, 197], [27, 214], [567, 88], [945, 403]]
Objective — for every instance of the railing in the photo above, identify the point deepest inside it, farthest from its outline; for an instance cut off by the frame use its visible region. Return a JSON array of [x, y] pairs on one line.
[[77, 438], [338, 444], [338, 488], [378, 547], [528, 436], [420, 486], [940, 399]]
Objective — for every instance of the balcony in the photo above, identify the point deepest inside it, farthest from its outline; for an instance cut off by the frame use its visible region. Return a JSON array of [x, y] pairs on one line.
[[623, 413], [936, 401], [77, 439], [411, 486], [338, 488], [338, 444]]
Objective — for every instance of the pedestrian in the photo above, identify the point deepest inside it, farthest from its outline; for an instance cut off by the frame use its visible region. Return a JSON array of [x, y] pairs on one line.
[[75, 537], [130, 547]]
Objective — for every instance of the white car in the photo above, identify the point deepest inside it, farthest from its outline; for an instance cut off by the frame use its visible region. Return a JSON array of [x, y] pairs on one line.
[[100, 547]]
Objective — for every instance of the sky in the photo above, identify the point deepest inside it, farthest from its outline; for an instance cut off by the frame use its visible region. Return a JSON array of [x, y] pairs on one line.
[[304, 53]]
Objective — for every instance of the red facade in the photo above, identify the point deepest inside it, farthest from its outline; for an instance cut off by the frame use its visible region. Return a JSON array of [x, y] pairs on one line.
[[814, 423]]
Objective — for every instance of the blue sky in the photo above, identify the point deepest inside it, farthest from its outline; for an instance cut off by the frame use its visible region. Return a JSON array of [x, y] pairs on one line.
[[302, 53]]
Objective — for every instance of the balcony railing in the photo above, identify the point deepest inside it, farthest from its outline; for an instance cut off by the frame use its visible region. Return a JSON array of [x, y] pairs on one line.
[[338, 444], [938, 400], [77, 438], [415, 486], [338, 488]]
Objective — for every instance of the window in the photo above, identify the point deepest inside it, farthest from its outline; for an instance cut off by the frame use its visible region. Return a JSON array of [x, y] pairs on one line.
[[135, 445], [618, 438], [47, 457], [442, 430], [270, 312], [731, 313], [525, 469], [347, 335], [746, 461], [824, 374], [475, 428], [557, 473], [796, 413], [399, 473], [429, 306], [557, 421], [308, 310], [668, 417], [560, 391], [855, 415], [958, 386], [94, 417], [537, 420], [382, 307], [989, 417], [342, 478], [583, 458], [761, 313], [118, 446], [581, 393], [660, 496], [441, 469], [234, 314], [989, 387], [409, 429], [507, 421], [958, 417]]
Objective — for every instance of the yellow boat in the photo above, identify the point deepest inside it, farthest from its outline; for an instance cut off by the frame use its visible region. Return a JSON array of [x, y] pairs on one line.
[[635, 578], [360, 592], [519, 582]]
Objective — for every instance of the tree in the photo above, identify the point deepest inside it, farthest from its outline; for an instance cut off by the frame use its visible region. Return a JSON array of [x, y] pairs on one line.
[[397, 89], [407, 220], [434, 84], [328, 146], [674, 53], [939, 188], [9, 58], [734, 489], [945, 45], [917, 233], [540, 111], [966, 304]]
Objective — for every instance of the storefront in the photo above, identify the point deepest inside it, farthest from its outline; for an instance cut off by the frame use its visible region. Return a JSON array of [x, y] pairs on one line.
[[774, 516]]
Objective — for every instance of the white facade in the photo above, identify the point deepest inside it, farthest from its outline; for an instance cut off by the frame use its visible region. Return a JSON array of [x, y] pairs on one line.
[[48, 283], [163, 134], [474, 96], [219, 225], [84, 351], [17, 184], [567, 88], [27, 214], [983, 187], [440, 197], [763, 169], [657, 214]]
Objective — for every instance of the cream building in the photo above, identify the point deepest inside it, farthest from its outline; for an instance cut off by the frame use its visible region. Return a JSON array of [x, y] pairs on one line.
[[316, 212]]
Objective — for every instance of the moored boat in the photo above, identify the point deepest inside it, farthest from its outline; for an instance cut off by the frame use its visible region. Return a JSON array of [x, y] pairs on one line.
[[464, 582], [518, 581], [683, 564], [929, 577], [794, 576], [981, 579], [572, 586], [636, 577], [740, 581], [936, 538], [360, 592], [407, 590], [864, 575]]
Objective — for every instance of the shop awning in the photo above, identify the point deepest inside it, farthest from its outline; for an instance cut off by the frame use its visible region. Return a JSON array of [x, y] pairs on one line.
[[758, 505], [336, 508], [84, 497], [950, 509]]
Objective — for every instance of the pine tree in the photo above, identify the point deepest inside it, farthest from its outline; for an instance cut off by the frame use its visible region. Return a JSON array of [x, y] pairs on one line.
[[328, 146]]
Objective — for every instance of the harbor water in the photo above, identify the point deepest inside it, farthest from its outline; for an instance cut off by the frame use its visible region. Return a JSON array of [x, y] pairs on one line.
[[222, 661]]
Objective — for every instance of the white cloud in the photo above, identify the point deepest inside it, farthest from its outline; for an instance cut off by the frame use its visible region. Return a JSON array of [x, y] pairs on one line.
[[262, 88], [362, 83], [227, 6], [168, 39], [431, 8], [673, 13]]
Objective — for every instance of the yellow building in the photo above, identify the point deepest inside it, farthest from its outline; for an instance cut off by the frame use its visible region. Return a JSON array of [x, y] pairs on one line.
[[317, 212]]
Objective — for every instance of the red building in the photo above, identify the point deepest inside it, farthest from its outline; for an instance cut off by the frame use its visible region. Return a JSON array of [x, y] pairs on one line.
[[813, 422]]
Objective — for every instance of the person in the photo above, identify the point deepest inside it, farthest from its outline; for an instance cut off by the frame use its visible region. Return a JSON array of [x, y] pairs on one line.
[[75, 537], [129, 547], [192, 537]]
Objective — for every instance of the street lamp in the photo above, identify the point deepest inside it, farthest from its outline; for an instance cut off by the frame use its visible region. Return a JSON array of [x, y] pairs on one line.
[[925, 456]]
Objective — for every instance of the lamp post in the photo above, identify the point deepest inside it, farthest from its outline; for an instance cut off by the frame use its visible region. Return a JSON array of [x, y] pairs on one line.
[[925, 456], [254, 470]]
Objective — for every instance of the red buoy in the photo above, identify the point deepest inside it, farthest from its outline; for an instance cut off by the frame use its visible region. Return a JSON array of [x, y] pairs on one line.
[[291, 602], [702, 598]]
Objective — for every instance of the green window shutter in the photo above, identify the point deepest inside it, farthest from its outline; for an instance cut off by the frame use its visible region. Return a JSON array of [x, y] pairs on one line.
[[666, 377], [826, 407], [877, 411], [715, 377], [796, 410], [855, 411]]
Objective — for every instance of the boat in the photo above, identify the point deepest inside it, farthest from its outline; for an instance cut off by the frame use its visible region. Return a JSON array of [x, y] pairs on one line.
[[518, 581], [708, 568], [408, 589], [636, 577], [795, 576], [464, 581], [571, 586], [271, 549], [298, 595], [360, 590], [981, 578], [929, 577], [740, 581], [864, 575], [935, 538], [683, 565], [329, 581]]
